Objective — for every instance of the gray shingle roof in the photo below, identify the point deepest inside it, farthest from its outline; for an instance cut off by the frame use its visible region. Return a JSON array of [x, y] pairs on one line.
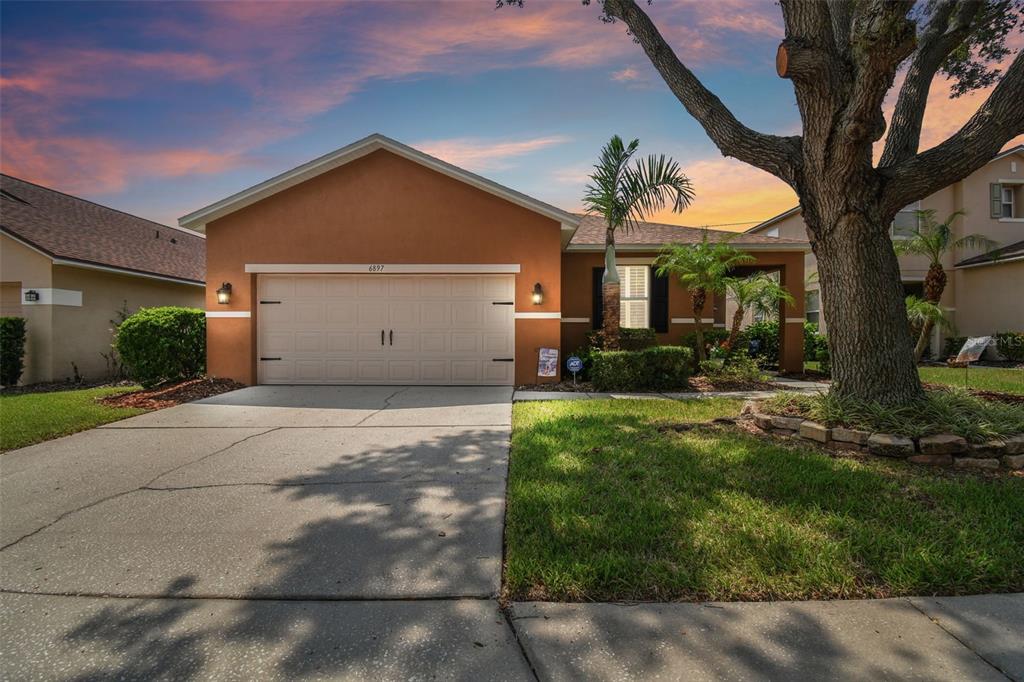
[[592, 228], [70, 228]]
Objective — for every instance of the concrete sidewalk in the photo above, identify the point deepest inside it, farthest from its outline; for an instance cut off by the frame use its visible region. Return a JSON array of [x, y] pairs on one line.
[[928, 638]]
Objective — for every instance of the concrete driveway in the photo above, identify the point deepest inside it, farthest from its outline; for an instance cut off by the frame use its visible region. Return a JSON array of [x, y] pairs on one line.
[[268, 532]]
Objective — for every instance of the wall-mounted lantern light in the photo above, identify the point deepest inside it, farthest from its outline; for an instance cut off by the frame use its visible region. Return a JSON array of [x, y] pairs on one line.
[[538, 294], [224, 293], [31, 296]]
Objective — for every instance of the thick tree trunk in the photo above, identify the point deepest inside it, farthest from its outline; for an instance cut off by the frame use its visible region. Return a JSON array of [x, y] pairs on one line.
[[869, 338], [610, 327], [699, 297]]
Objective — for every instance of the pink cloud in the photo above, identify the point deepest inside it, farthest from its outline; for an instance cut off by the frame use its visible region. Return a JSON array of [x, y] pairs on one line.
[[482, 155]]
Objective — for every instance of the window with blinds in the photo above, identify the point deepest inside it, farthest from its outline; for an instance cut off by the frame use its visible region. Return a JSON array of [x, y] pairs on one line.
[[634, 296]]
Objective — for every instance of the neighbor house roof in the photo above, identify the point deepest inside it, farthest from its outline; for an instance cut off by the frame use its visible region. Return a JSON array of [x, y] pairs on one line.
[[198, 219], [1010, 252], [590, 237], [74, 231]]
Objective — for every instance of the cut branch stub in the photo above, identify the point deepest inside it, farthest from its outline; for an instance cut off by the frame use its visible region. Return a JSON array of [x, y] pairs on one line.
[[782, 61]]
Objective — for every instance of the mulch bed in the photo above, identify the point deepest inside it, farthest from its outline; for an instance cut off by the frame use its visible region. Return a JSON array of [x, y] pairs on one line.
[[169, 395]]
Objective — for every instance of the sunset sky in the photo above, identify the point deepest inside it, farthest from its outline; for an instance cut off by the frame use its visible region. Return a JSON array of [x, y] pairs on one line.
[[161, 108]]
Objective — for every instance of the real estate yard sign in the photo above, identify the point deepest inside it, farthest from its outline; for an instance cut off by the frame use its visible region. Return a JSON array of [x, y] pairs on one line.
[[973, 348], [547, 362], [971, 352]]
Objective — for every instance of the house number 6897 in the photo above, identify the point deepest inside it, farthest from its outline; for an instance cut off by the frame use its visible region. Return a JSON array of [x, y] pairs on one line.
[[376, 268]]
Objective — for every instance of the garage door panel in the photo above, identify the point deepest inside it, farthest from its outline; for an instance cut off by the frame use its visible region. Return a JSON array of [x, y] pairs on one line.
[[465, 371], [340, 287], [309, 287], [435, 314], [438, 329], [277, 342], [434, 287], [340, 313], [341, 342], [403, 313], [467, 313], [433, 342], [309, 312], [371, 370], [498, 372]]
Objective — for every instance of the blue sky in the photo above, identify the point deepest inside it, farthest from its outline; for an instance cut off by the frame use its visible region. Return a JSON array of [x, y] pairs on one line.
[[160, 108]]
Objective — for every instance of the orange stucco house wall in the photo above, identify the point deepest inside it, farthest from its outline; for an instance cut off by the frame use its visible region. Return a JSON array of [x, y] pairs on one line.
[[387, 205]]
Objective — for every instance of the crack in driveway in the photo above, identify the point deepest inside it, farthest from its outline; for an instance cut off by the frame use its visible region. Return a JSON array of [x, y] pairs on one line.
[[122, 493]]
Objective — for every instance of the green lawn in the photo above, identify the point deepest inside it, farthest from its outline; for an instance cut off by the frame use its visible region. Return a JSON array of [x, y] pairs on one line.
[[34, 417], [605, 501], [984, 378]]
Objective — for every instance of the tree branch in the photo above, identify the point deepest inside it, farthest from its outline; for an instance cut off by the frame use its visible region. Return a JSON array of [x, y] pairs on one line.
[[999, 120], [777, 155], [949, 26]]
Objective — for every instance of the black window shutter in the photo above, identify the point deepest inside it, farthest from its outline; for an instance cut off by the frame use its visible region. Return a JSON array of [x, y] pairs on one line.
[[597, 305], [659, 303]]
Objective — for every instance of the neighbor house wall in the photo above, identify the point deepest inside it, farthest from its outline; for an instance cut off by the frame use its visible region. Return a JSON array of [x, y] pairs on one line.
[[991, 298], [379, 209], [26, 268], [81, 334]]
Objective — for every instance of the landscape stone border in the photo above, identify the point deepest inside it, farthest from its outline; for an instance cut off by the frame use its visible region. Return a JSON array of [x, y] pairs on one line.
[[943, 449]]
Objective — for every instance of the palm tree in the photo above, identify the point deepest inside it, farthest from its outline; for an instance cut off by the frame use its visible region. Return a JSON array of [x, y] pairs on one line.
[[624, 195], [759, 292], [703, 268], [933, 240], [923, 313]]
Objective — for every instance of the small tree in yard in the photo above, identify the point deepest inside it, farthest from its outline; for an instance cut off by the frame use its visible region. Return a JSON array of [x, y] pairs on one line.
[[925, 315], [702, 268], [760, 293], [842, 58], [933, 240], [625, 194], [12, 350]]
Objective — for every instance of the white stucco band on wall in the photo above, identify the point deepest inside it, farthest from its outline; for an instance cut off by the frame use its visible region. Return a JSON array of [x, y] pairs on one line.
[[48, 296], [228, 313]]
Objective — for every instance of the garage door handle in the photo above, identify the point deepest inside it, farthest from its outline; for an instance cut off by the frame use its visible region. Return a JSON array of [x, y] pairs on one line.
[[502, 359], [391, 337], [382, 337], [266, 359]]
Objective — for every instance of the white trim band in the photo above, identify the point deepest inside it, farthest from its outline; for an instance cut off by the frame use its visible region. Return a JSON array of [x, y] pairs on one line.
[[228, 313], [581, 320], [383, 268], [68, 297], [795, 320], [538, 316], [690, 320]]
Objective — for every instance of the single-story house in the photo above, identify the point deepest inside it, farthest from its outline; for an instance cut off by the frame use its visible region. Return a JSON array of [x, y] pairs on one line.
[[68, 266], [379, 264]]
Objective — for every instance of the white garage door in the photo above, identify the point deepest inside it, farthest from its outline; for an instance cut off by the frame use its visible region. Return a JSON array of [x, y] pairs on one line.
[[386, 329]]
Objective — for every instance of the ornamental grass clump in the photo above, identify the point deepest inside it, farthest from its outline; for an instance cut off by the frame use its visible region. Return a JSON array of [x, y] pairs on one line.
[[949, 410]]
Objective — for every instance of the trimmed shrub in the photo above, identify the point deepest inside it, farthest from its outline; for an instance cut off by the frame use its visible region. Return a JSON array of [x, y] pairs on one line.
[[163, 344], [637, 338], [713, 337], [763, 340], [813, 341], [12, 350], [652, 369], [1011, 345], [740, 370]]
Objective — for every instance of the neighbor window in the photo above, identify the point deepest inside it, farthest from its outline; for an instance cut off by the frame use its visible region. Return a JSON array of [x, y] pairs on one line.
[[1007, 203], [634, 297], [812, 305], [906, 221]]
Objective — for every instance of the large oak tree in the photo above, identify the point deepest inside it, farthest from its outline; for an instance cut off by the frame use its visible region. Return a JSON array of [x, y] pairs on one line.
[[842, 57]]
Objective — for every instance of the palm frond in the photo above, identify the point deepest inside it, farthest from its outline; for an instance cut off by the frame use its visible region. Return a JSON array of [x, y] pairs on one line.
[[650, 185]]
